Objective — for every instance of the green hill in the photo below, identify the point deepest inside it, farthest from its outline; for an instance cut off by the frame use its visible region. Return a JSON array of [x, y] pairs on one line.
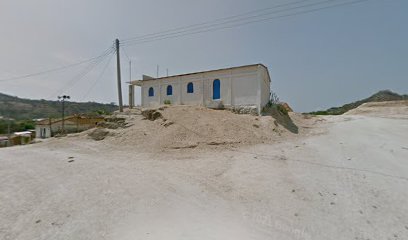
[[27, 109], [381, 96]]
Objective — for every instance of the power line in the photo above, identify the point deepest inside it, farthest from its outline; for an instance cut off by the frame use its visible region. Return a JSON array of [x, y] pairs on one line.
[[210, 28], [213, 21], [192, 32], [261, 15], [239, 19], [97, 79], [71, 83], [55, 69], [127, 56]]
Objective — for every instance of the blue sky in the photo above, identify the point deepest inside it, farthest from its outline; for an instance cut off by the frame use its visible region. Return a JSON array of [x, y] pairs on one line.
[[316, 60]]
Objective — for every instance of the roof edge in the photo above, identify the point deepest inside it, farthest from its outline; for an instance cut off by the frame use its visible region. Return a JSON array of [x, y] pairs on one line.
[[136, 82]]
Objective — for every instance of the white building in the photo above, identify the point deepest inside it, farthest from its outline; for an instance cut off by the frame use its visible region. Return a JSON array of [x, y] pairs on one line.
[[49, 127], [236, 87]]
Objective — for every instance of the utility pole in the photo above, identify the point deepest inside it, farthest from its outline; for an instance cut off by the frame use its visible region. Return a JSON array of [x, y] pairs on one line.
[[118, 75], [9, 132], [49, 124], [131, 88], [9, 127], [63, 110]]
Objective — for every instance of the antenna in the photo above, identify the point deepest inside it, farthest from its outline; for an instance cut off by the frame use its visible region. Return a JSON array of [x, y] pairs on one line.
[[130, 70], [157, 74]]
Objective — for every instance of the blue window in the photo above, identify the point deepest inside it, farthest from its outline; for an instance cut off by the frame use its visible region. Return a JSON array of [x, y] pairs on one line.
[[216, 89], [190, 88], [169, 90], [151, 92]]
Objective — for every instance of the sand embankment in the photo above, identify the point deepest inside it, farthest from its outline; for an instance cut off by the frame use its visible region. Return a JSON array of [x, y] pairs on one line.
[[345, 179]]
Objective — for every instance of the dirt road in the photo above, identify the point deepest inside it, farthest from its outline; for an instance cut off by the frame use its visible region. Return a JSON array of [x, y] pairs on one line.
[[347, 182]]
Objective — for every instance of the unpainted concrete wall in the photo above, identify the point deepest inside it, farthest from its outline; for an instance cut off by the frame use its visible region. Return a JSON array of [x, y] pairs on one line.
[[245, 86]]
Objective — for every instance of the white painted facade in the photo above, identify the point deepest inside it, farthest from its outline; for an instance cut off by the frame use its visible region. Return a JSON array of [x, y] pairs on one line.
[[42, 131], [239, 86]]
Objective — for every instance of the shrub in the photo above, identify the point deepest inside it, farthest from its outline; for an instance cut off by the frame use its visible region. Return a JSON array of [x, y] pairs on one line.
[[167, 102], [100, 112], [282, 109], [275, 103], [320, 113]]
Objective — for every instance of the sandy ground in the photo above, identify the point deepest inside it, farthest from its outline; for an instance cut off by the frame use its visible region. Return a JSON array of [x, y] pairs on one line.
[[346, 178]]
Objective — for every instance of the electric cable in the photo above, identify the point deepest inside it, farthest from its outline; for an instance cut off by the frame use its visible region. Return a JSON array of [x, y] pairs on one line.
[[55, 69], [97, 79], [176, 35]]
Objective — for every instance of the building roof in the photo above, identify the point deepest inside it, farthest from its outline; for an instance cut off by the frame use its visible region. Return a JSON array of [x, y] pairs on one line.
[[47, 121], [25, 133], [138, 82]]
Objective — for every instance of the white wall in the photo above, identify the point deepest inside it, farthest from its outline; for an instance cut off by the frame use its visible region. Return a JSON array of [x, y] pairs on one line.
[[239, 86], [39, 131], [195, 98], [265, 86], [245, 89], [150, 101], [175, 83]]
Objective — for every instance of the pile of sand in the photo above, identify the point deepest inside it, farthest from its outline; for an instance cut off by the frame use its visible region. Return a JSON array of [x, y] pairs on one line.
[[178, 127], [389, 109]]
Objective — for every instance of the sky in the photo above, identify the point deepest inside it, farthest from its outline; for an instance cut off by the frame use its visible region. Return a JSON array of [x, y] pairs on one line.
[[316, 60]]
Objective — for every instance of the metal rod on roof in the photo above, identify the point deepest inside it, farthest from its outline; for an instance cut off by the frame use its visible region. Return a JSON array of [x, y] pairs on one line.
[[130, 70], [117, 44]]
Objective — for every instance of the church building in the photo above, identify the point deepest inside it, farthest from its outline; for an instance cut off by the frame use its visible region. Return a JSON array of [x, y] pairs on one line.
[[235, 87]]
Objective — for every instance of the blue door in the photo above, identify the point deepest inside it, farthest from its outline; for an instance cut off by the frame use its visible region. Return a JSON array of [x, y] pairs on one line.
[[216, 89]]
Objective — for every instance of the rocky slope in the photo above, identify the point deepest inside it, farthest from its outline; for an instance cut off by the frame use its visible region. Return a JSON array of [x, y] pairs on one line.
[[381, 96]]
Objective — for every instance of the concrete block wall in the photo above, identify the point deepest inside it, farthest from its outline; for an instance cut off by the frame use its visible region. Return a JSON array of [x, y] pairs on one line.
[[241, 86]]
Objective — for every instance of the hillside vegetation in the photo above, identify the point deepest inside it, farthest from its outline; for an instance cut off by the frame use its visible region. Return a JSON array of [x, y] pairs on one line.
[[381, 96], [23, 111], [27, 109]]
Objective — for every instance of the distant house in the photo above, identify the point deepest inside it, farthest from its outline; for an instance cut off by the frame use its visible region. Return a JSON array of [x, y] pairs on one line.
[[244, 86], [49, 127], [17, 138], [4, 141], [22, 138]]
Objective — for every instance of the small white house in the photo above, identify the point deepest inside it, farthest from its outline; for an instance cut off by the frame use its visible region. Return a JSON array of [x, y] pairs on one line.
[[236, 87]]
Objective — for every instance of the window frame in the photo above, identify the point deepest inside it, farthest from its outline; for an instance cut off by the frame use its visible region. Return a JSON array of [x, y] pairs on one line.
[[190, 87], [169, 90], [150, 92]]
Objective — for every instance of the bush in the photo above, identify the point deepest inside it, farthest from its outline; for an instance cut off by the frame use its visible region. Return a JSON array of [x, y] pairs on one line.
[[168, 102], [16, 126], [101, 112], [282, 109], [320, 113], [275, 103]]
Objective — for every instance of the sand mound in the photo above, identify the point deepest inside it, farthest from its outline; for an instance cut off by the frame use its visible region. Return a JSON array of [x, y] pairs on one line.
[[98, 134], [178, 127], [389, 109]]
